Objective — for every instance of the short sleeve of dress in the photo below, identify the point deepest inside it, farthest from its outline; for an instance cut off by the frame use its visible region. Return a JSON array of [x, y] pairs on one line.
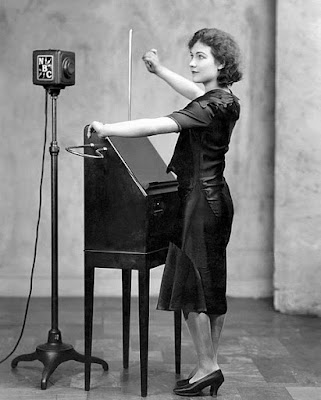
[[193, 116], [200, 112]]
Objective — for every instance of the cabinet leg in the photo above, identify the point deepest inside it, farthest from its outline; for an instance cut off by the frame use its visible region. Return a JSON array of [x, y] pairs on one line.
[[178, 340], [89, 308], [126, 282], [143, 287]]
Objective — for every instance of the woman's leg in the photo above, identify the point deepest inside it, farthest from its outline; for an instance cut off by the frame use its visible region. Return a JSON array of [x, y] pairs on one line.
[[217, 322], [199, 325]]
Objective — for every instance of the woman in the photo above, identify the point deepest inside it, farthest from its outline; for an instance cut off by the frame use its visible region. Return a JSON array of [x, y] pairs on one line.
[[194, 278]]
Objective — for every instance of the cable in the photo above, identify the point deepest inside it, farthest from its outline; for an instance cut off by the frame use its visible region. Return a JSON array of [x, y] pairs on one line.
[[37, 230]]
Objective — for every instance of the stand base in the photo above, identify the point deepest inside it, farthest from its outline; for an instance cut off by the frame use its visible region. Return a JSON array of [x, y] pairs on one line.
[[52, 354]]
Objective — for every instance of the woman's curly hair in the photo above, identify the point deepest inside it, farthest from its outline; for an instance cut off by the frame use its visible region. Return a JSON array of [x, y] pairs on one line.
[[225, 51]]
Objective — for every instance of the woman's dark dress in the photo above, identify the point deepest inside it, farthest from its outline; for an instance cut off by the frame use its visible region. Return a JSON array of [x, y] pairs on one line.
[[194, 277]]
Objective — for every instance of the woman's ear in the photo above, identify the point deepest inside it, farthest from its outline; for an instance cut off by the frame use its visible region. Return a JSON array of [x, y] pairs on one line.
[[220, 64]]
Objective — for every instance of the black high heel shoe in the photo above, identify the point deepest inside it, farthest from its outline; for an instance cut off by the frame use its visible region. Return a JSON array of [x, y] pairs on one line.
[[215, 386], [181, 383], [184, 382], [214, 380]]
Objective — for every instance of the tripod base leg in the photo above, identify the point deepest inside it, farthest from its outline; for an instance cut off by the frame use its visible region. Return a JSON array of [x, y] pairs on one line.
[[52, 355], [25, 357]]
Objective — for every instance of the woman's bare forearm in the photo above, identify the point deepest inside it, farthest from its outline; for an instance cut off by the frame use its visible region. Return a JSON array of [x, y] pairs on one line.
[[136, 128], [183, 86]]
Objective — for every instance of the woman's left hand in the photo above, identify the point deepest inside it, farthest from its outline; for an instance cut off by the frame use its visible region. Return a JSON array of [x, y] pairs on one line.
[[97, 127]]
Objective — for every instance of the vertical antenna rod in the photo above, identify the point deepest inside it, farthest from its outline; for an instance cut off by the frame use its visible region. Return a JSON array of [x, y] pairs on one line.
[[130, 39]]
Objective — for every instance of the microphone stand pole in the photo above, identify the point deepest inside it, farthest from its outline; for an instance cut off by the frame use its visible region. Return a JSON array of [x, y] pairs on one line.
[[54, 352]]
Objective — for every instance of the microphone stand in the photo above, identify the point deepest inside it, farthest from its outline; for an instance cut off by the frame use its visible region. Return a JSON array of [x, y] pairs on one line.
[[54, 352]]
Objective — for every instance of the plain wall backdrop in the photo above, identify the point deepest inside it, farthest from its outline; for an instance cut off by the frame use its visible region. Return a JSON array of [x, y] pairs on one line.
[[297, 248], [97, 31]]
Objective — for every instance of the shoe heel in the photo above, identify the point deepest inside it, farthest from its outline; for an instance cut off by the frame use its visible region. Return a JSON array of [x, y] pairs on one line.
[[214, 388]]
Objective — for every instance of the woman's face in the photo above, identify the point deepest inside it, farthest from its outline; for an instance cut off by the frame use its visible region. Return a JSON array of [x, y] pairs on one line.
[[204, 67]]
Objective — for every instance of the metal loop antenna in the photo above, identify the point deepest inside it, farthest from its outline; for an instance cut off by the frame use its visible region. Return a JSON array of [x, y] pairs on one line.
[[71, 149]]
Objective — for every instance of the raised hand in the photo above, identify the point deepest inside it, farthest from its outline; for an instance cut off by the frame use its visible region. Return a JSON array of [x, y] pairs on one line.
[[181, 85], [151, 61]]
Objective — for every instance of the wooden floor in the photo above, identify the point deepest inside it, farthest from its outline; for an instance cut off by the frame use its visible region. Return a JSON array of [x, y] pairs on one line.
[[264, 355]]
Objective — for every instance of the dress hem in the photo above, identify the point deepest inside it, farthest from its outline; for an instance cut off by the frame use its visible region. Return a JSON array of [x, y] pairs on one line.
[[189, 310]]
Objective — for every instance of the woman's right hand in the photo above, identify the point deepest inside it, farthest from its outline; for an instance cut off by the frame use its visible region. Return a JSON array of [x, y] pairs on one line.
[[151, 61]]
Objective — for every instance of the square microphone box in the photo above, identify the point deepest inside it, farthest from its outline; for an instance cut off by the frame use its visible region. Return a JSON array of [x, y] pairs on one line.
[[53, 68]]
